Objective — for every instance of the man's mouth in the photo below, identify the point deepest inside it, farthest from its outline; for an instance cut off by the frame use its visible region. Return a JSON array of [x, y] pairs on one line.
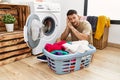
[[74, 24]]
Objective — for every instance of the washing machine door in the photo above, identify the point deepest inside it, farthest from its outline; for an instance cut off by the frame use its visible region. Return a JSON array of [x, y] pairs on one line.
[[32, 30]]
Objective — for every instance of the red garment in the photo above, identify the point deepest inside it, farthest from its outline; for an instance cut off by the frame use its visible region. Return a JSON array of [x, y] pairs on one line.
[[55, 46]]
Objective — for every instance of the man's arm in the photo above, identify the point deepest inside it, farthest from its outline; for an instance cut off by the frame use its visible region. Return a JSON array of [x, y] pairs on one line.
[[64, 34], [81, 36]]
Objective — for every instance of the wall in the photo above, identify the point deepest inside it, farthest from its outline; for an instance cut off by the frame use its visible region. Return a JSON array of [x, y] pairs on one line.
[[17, 1], [114, 34], [55, 1]]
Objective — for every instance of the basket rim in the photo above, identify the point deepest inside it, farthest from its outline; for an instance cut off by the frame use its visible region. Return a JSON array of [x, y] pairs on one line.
[[70, 56]]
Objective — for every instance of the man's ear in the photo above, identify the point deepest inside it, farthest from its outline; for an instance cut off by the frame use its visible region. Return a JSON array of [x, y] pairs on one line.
[[67, 18]]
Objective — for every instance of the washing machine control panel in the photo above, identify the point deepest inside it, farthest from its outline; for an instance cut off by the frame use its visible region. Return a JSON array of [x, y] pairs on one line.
[[45, 6]]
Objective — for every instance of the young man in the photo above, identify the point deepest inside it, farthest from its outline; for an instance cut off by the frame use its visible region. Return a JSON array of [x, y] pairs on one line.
[[76, 29]]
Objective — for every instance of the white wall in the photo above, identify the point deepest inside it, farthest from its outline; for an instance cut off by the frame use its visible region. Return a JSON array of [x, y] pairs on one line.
[[95, 8], [17, 1], [55, 1], [114, 34]]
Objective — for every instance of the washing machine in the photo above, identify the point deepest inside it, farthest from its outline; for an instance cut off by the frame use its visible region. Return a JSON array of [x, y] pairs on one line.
[[42, 26]]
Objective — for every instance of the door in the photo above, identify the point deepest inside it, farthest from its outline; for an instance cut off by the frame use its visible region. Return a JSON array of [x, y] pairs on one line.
[[33, 30], [51, 26]]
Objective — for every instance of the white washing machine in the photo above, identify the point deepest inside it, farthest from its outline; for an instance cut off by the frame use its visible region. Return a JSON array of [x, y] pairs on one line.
[[42, 26]]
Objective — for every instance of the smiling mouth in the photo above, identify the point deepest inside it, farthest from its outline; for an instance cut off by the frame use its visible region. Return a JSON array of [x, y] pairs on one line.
[[74, 24]]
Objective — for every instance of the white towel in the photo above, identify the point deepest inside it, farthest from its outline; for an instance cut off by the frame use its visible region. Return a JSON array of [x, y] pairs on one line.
[[77, 46]]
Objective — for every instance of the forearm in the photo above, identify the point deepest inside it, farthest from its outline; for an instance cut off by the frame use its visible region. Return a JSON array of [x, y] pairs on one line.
[[64, 35], [80, 36]]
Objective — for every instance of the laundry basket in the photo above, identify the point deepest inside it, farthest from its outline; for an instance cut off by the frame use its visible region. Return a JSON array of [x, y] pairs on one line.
[[68, 63]]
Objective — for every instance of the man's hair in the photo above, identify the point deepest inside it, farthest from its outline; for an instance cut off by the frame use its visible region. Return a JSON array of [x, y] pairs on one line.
[[71, 12]]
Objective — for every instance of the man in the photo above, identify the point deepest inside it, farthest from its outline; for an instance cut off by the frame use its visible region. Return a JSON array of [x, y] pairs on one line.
[[76, 29]]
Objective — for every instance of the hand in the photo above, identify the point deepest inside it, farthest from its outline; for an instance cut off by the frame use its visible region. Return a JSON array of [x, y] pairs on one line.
[[69, 25]]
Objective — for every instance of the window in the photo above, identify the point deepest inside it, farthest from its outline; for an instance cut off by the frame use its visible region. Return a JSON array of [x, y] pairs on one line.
[[108, 8]]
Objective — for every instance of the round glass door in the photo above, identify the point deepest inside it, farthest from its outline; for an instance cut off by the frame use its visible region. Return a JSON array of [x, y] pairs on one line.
[[33, 30], [49, 26]]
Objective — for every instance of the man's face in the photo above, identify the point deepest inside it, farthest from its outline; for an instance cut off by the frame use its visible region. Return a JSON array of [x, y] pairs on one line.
[[74, 19]]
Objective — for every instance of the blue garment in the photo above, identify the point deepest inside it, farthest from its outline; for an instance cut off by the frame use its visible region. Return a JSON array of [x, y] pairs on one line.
[[93, 21], [59, 52]]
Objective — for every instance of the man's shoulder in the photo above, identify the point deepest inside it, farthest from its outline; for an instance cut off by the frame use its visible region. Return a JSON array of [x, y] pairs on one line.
[[84, 22]]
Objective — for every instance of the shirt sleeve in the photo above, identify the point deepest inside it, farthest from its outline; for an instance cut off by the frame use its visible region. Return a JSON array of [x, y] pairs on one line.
[[87, 28]]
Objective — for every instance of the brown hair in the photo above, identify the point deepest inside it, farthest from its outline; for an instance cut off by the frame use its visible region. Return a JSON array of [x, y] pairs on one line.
[[71, 12]]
